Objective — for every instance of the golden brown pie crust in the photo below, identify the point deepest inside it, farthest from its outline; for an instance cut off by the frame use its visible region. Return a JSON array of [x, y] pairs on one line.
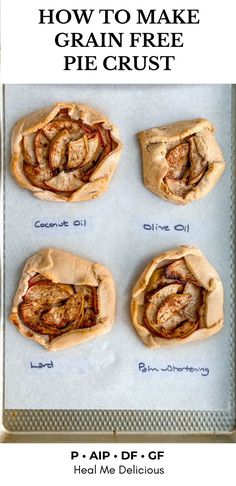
[[66, 270], [45, 157], [192, 142], [165, 320]]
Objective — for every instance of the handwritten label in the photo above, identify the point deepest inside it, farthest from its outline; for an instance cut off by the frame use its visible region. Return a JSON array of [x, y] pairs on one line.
[[171, 368], [42, 365], [166, 227], [79, 223]]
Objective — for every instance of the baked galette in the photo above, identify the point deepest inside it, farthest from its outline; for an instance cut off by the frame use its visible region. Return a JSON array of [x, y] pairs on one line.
[[63, 300], [66, 152], [177, 299], [181, 161]]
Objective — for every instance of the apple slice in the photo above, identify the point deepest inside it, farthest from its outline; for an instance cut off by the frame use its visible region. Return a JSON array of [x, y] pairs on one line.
[[60, 316], [172, 306], [154, 280], [102, 135], [29, 148], [87, 293], [156, 301], [66, 181], [37, 175], [179, 331], [94, 148], [178, 187], [57, 125], [89, 319], [58, 147], [48, 293], [84, 152], [191, 311], [105, 140], [179, 270], [169, 326], [178, 160], [30, 312], [198, 163], [163, 281], [31, 315], [88, 129], [41, 148], [37, 278], [77, 152]]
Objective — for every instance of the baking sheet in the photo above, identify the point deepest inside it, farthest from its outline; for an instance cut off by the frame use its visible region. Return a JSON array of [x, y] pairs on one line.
[[104, 374]]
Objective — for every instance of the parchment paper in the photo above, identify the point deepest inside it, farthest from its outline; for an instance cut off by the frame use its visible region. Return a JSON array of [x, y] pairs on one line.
[[104, 373]]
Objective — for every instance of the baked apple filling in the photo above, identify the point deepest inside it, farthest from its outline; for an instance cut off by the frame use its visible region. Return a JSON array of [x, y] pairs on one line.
[[55, 308], [63, 154], [187, 165], [174, 301]]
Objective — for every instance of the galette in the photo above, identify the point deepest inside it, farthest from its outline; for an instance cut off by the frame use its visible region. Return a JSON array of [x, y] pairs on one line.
[[177, 299], [182, 161], [66, 152]]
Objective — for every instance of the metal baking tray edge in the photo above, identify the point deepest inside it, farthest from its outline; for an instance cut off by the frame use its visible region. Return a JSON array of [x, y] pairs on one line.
[[110, 420]]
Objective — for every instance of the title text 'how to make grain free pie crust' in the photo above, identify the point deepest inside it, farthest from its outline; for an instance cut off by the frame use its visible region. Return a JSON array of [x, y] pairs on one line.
[[177, 299], [66, 152], [181, 161], [63, 300]]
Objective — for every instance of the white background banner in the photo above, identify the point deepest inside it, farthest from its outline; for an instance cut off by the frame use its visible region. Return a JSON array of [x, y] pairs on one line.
[[162, 464], [58, 41]]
